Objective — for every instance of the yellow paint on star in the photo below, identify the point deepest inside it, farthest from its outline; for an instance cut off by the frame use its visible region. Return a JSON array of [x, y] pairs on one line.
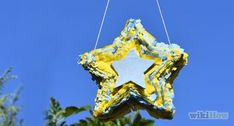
[[112, 102]]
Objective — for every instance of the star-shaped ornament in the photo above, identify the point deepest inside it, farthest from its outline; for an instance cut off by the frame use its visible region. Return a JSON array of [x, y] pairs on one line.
[[135, 72]]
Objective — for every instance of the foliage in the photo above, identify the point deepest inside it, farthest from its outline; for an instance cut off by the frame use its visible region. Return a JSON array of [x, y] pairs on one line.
[[8, 108], [137, 120], [56, 117]]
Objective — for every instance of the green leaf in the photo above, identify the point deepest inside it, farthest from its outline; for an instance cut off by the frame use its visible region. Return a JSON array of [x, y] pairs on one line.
[[68, 111], [84, 122], [3, 99], [137, 119]]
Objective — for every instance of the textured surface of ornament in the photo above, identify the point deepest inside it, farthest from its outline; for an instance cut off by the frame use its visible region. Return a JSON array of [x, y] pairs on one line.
[[150, 89]]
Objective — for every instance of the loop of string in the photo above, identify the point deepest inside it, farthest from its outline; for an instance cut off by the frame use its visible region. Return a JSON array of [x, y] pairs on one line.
[[104, 16], [163, 21], [103, 19]]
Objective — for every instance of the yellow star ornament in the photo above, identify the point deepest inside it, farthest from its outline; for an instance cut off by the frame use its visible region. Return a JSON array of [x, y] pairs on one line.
[[150, 90]]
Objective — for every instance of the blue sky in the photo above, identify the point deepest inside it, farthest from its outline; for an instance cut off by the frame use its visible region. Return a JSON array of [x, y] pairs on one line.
[[42, 39]]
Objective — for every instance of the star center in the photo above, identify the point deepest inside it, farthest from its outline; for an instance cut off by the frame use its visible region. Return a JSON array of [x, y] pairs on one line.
[[131, 68]]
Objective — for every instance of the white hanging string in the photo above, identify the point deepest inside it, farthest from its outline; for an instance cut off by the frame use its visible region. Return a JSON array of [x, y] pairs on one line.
[[163, 21], [104, 16], [103, 19]]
